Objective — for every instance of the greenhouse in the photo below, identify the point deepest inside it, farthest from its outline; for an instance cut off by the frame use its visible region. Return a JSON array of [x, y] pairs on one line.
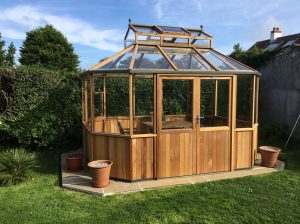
[[170, 105]]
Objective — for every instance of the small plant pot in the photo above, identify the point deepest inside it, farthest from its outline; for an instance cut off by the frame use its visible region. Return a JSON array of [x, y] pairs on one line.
[[269, 155], [100, 171], [74, 162]]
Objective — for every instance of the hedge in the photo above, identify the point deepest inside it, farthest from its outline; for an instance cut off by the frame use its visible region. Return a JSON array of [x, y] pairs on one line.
[[39, 107]]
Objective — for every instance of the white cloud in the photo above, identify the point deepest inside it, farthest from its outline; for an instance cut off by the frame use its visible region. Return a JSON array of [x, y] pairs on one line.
[[15, 21]]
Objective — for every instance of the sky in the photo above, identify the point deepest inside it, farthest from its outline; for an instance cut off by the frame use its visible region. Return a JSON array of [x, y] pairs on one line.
[[97, 28]]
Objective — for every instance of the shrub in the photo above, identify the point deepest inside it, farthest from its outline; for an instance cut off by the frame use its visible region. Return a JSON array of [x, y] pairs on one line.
[[15, 165], [41, 106]]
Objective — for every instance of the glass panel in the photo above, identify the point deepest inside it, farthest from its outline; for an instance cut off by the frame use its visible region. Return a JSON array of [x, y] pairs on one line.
[[121, 62], [175, 40], [144, 39], [150, 57], [98, 97], [195, 33], [289, 43], [177, 104], [89, 103], [214, 105], [216, 61], [201, 42], [130, 38], [143, 110], [172, 29], [145, 29], [229, 61], [117, 97], [244, 101], [185, 58], [222, 111]]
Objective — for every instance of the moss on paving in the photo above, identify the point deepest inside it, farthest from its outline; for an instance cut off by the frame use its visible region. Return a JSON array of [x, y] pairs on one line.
[[268, 198]]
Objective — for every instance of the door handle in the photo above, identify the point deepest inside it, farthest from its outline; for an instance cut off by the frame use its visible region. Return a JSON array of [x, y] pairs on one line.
[[198, 119]]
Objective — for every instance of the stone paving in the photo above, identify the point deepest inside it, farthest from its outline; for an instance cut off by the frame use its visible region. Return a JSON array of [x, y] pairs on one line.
[[81, 181]]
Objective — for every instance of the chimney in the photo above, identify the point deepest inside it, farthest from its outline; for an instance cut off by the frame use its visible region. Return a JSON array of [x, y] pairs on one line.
[[275, 33]]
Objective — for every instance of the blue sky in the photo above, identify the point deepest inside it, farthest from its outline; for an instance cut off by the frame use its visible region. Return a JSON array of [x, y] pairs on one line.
[[97, 28]]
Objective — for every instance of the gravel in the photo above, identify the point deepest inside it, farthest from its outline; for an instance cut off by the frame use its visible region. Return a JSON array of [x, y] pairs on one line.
[[99, 165]]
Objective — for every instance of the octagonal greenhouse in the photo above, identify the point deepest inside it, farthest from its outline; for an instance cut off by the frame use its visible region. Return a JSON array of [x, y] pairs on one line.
[[170, 105]]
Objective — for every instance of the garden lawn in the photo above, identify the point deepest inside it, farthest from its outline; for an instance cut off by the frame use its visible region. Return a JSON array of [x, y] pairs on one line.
[[269, 198]]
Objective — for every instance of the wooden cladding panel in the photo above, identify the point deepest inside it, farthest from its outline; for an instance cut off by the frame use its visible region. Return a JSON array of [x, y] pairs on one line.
[[213, 151], [89, 148], [132, 158], [141, 158], [101, 147], [243, 149], [119, 153], [175, 153]]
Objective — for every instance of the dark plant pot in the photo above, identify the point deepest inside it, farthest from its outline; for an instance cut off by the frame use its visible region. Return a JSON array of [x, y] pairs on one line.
[[100, 175], [74, 162], [269, 155]]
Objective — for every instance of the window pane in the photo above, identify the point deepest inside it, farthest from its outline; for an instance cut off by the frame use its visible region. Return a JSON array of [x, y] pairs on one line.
[[232, 62], [185, 58], [143, 110], [214, 103], [117, 96], [150, 57], [244, 101], [121, 62], [216, 61], [177, 104], [98, 97], [130, 38]]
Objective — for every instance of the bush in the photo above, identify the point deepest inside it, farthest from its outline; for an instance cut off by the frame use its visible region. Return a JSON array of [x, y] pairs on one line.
[[41, 107], [15, 165]]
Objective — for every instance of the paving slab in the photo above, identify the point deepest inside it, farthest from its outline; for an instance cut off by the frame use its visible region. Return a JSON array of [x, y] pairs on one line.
[[81, 181]]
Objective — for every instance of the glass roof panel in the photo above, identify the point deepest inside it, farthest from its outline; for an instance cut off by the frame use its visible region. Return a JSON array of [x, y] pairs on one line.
[[120, 62], [196, 33], [186, 58], [130, 38], [229, 61], [145, 29], [216, 61], [150, 57], [172, 29]]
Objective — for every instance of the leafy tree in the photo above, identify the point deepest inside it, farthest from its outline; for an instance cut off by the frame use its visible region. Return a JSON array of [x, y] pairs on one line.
[[10, 55], [253, 57], [2, 51], [47, 47]]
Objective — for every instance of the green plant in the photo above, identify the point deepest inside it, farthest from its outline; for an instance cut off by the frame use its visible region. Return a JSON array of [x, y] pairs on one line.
[[15, 165], [40, 107], [47, 47]]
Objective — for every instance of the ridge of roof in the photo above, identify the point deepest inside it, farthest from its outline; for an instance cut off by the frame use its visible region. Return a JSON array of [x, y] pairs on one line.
[[281, 41]]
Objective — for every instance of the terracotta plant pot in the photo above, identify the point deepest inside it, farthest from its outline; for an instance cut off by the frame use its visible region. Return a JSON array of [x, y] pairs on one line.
[[100, 170], [269, 155], [74, 162]]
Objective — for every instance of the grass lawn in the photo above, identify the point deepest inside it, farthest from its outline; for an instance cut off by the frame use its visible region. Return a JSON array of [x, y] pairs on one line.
[[269, 198]]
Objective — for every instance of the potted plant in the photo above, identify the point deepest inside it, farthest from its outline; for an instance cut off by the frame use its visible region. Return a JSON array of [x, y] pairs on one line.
[[74, 161], [269, 155], [100, 170]]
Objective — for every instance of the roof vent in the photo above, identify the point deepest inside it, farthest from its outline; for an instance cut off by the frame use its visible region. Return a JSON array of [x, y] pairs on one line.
[[275, 33]]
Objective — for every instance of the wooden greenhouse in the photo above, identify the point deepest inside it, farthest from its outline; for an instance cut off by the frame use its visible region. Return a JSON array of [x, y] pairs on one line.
[[170, 105]]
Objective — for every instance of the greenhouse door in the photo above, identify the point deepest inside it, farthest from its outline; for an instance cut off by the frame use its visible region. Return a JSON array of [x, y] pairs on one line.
[[213, 119]]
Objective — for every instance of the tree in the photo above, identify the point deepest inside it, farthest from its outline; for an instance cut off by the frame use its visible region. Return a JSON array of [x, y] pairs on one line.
[[47, 47], [10, 55], [253, 57], [2, 51]]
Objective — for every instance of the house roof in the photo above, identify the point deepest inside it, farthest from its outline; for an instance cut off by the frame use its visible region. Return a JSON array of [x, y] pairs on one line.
[[280, 42], [168, 50]]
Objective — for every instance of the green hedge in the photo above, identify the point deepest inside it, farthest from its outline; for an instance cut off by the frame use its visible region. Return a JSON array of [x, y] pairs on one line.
[[39, 107]]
